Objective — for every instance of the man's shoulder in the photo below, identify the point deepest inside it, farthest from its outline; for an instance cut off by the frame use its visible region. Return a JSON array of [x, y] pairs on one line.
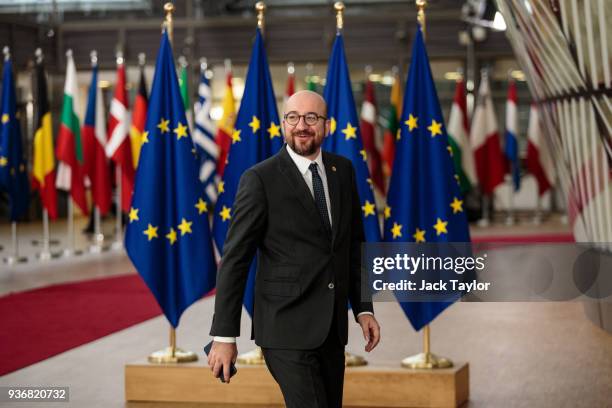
[[265, 167]]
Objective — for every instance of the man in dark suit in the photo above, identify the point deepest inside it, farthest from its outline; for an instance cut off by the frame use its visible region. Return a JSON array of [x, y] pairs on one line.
[[301, 210]]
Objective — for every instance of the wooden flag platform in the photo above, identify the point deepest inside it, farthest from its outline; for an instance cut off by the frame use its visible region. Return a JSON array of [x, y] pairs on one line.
[[370, 386]]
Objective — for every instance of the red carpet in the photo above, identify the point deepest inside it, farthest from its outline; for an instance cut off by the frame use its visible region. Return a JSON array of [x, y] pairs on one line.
[[524, 239], [41, 323]]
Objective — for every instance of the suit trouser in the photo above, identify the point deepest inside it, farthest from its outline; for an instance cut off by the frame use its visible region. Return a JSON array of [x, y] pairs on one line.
[[310, 378]]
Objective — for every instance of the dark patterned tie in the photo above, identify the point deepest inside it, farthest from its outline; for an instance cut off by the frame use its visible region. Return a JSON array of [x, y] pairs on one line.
[[319, 196]]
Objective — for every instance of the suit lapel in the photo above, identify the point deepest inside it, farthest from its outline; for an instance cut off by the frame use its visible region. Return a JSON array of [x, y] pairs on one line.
[[296, 183], [334, 192]]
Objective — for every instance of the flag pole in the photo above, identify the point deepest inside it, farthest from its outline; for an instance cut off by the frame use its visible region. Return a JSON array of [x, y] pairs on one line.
[[118, 244], [425, 360], [98, 235], [510, 218], [45, 253], [171, 354], [255, 356]]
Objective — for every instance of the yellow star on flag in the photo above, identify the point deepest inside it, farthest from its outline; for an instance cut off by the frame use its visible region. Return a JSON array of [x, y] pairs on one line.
[[236, 136], [171, 236], [419, 235], [151, 232], [3, 161], [369, 181], [398, 135], [201, 206], [412, 122], [368, 209], [181, 131], [5, 118], [396, 230], [435, 128], [185, 227], [274, 130], [387, 212], [133, 214], [349, 131], [450, 150], [440, 227], [332, 125], [221, 187], [163, 125], [364, 154], [254, 124], [225, 213], [457, 205], [144, 138]]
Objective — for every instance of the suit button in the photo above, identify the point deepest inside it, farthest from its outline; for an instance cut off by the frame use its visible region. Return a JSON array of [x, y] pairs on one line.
[[331, 286]]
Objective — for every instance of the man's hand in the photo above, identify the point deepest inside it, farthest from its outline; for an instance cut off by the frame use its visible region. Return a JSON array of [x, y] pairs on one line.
[[220, 358], [371, 330]]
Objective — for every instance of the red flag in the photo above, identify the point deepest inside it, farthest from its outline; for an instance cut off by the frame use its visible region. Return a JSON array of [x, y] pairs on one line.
[[490, 162], [225, 126], [118, 147], [539, 160], [368, 136], [393, 126], [94, 142]]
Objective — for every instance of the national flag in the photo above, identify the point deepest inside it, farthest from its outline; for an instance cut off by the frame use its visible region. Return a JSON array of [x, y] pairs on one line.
[[393, 126], [257, 136], [97, 165], [539, 160], [119, 146], [168, 237], [369, 116], [484, 137], [43, 163], [225, 125], [184, 86], [139, 117], [290, 88], [310, 84], [13, 169], [204, 140], [344, 136], [69, 150], [511, 147], [424, 203], [458, 131]]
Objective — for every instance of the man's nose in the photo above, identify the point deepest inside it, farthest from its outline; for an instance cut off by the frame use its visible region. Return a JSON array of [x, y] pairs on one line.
[[301, 125]]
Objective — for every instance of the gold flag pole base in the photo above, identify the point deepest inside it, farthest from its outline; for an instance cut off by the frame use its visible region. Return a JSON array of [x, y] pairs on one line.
[[253, 357], [426, 361], [172, 354], [165, 356], [354, 360]]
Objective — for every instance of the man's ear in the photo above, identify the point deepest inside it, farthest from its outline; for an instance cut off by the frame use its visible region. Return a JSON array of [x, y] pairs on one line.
[[327, 127]]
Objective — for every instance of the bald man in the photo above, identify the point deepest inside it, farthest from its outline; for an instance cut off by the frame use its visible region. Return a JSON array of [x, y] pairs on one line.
[[300, 210]]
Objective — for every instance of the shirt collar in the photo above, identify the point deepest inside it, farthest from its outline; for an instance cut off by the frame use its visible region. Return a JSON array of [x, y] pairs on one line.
[[303, 163]]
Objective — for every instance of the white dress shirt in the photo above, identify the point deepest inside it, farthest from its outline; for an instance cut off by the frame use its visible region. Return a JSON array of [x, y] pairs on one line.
[[303, 165]]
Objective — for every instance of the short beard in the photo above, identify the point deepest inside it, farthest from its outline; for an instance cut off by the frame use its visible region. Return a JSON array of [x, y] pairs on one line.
[[309, 150]]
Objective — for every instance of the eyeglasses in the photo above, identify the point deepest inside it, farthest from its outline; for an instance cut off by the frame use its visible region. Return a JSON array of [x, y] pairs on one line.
[[310, 118]]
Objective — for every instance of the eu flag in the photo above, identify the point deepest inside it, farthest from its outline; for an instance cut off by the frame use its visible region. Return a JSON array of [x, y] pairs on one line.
[[424, 203], [256, 136], [344, 136], [168, 237], [13, 170]]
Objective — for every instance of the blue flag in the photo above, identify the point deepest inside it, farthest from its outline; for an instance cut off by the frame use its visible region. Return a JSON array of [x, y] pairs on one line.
[[424, 203], [168, 237], [511, 146], [344, 135], [204, 139], [256, 136], [13, 169]]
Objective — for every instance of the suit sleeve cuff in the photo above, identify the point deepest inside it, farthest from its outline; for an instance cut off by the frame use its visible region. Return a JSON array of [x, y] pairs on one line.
[[220, 339]]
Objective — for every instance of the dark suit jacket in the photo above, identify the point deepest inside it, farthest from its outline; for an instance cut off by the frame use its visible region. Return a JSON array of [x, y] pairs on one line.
[[275, 213]]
